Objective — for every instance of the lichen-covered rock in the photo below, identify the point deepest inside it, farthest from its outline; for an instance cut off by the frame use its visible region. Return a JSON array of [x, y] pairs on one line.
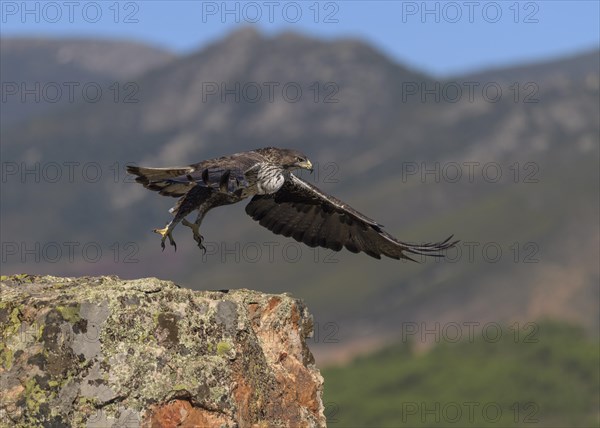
[[101, 352]]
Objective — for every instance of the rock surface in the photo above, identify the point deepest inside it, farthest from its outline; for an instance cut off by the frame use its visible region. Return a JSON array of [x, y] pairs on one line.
[[102, 351]]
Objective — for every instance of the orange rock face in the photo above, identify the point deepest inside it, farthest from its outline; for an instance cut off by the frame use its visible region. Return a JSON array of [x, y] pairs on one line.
[[103, 351], [181, 414]]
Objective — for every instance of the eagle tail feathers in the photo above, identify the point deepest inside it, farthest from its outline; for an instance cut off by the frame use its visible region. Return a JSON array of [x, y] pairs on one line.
[[161, 180], [156, 174]]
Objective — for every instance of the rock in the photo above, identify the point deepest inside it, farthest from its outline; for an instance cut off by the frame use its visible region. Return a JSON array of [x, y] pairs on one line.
[[103, 351]]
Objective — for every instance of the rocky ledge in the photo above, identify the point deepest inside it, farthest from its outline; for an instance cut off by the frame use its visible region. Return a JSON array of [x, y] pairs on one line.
[[103, 351]]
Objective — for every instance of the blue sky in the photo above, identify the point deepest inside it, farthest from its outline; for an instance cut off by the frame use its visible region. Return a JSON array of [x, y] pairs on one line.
[[439, 37]]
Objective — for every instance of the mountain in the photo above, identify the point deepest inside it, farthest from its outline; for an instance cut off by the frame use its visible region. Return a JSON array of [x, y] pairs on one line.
[[579, 66], [54, 63], [176, 99], [388, 140]]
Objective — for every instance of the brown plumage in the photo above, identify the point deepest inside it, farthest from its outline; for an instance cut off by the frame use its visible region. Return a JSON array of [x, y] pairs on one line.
[[281, 202]]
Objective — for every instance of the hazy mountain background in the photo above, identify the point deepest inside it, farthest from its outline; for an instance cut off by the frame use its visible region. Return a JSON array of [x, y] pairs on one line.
[[53, 62], [365, 141], [361, 122]]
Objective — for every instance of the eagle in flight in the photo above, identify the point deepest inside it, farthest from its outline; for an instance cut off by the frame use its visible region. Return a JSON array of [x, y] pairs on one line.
[[281, 202]]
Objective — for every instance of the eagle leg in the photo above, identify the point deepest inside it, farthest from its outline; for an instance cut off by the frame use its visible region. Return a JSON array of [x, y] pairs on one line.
[[165, 233], [196, 231]]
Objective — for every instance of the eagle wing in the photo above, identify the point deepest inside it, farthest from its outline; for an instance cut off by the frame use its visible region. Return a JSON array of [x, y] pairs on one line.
[[308, 215]]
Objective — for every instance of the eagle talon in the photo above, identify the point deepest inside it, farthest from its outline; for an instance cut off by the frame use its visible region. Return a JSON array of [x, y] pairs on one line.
[[196, 231], [165, 233]]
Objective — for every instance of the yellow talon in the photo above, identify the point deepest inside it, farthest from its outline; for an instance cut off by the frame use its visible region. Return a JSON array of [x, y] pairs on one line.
[[195, 228], [165, 233], [196, 231], [161, 232]]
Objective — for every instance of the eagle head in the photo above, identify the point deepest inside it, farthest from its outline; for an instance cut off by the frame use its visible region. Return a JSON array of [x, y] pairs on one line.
[[290, 159]]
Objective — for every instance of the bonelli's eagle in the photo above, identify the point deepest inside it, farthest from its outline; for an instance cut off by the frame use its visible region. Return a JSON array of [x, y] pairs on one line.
[[281, 202]]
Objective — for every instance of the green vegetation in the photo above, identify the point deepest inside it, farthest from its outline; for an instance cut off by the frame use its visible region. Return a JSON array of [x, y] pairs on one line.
[[69, 313], [223, 348], [549, 382]]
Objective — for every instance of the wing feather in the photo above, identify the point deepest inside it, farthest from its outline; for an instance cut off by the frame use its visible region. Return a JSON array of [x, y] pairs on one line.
[[308, 215]]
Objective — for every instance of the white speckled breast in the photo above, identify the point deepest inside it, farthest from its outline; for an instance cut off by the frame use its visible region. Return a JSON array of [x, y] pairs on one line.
[[269, 179]]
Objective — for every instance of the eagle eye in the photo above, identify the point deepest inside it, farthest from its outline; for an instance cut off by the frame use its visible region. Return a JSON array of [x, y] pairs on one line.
[[299, 159]]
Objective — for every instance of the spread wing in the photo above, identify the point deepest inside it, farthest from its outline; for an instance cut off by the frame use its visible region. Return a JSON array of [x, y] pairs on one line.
[[308, 215]]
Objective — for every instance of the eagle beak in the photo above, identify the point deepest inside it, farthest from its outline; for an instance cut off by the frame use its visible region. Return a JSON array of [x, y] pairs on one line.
[[308, 166], [305, 165]]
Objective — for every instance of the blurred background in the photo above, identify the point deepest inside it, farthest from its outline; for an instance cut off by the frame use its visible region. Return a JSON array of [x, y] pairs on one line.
[[479, 119]]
